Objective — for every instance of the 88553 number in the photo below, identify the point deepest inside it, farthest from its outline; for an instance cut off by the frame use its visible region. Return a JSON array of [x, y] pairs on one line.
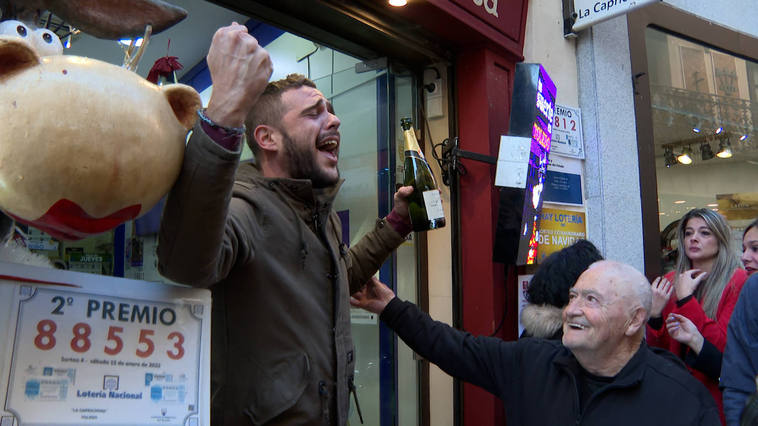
[[45, 340]]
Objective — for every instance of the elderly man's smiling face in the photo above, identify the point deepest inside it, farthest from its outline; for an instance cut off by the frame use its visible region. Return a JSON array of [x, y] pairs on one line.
[[598, 313]]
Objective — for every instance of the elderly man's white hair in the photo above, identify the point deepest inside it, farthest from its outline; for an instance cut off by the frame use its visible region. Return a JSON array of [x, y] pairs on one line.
[[631, 279]]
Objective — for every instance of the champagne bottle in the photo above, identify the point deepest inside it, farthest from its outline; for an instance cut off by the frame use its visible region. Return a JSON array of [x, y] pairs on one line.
[[424, 204]]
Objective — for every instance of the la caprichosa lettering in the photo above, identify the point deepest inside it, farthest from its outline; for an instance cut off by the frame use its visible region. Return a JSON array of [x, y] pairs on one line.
[[126, 312], [601, 6]]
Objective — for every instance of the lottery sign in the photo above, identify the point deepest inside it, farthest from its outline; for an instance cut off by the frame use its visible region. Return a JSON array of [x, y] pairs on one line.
[[88, 349], [567, 132]]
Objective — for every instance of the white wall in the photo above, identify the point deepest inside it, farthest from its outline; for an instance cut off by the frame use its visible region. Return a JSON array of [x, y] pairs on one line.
[[544, 44], [614, 215], [439, 263]]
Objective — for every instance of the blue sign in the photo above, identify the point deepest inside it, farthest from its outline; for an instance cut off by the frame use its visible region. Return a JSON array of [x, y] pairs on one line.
[[563, 188]]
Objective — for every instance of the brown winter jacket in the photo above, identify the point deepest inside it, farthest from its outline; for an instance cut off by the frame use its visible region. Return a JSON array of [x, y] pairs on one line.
[[271, 252]]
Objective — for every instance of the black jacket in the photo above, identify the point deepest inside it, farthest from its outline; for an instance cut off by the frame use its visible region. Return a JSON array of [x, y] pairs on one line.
[[537, 379]]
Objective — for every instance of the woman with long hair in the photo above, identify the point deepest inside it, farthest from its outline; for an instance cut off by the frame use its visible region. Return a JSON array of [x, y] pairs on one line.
[[703, 289]]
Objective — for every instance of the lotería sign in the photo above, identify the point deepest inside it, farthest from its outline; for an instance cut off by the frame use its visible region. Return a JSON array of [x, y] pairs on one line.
[[586, 13], [87, 349]]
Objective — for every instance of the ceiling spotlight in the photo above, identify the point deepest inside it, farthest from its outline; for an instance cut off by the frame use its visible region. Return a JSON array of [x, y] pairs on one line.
[[719, 130], [706, 153], [725, 149], [668, 157], [686, 156], [398, 3], [696, 124]]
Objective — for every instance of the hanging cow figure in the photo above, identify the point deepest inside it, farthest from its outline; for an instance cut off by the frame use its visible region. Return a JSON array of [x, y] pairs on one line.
[[86, 145]]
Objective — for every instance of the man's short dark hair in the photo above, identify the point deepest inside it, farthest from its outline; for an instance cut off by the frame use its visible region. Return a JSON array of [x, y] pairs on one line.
[[269, 109], [558, 273]]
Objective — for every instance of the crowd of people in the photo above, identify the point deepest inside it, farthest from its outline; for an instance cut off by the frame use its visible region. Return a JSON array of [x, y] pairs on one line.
[[602, 345], [692, 318]]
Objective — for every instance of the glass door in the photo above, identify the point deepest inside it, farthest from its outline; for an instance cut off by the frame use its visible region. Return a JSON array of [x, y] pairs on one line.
[[370, 106]]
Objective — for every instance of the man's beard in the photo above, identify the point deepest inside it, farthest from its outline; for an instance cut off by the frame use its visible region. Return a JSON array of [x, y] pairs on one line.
[[302, 164]]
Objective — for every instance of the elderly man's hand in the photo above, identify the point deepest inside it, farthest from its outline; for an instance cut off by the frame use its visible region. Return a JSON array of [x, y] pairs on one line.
[[240, 69], [661, 293], [373, 297]]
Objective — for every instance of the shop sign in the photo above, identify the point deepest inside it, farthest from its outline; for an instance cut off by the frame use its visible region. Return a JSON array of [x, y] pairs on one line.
[[559, 229], [496, 14], [485, 9], [586, 13], [567, 132], [490, 6], [89, 349]]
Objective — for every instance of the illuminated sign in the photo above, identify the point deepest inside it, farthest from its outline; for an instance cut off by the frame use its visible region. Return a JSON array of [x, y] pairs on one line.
[[541, 120], [532, 115]]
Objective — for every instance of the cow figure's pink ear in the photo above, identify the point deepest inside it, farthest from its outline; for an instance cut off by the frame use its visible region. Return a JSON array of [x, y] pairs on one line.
[[16, 55], [185, 101]]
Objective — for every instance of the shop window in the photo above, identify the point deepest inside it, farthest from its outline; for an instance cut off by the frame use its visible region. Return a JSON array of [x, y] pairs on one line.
[[704, 105]]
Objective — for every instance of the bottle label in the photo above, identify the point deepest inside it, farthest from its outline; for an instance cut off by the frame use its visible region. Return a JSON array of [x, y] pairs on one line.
[[433, 204]]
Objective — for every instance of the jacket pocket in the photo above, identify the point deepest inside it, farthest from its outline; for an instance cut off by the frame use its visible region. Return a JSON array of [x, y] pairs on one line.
[[278, 386]]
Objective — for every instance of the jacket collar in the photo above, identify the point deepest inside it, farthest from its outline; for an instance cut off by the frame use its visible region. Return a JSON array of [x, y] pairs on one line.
[[543, 321], [630, 375], [301, 191]]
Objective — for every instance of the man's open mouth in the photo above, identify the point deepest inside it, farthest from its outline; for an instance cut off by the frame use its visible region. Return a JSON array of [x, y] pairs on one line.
[[327, 145]]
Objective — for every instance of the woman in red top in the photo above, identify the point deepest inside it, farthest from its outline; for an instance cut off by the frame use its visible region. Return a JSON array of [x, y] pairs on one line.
[[704, 289]]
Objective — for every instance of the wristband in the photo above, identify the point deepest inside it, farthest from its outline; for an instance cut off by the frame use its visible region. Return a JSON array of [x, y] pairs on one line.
[[237, 131]]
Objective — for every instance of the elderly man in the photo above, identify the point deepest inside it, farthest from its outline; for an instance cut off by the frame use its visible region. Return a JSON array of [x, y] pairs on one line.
[[602, 374]]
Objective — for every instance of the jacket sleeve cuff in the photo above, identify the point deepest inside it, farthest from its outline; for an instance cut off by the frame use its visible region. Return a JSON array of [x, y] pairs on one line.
[[401, 225], [230, 141], [707, 361], [391, 311], [655, 323], [682, 301]]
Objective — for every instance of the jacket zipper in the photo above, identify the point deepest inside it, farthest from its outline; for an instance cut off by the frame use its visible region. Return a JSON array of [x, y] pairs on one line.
[[324, 394], [351, 389], [577, 404]]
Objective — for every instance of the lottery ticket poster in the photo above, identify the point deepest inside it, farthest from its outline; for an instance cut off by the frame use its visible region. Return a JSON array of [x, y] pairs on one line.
[[81, 349]]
